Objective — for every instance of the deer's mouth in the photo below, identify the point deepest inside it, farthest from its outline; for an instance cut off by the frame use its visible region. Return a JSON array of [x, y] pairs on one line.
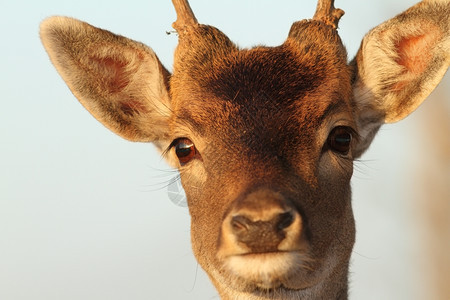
[[269, 271]]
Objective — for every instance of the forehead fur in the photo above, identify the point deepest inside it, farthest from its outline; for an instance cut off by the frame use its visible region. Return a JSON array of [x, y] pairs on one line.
[[254, 94]]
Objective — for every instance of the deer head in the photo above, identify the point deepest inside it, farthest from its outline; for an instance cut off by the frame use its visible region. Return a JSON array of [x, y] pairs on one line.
[[264, 138]]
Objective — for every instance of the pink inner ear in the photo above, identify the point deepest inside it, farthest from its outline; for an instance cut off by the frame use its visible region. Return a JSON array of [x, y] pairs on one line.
[[112, 73], [414, 52]]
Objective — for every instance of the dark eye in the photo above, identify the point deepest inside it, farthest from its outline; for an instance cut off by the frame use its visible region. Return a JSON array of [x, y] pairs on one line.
[[340, 139], [185, 150]]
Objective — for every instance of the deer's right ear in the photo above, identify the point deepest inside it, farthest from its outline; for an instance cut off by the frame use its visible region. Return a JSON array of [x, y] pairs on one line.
[[399, 64], [119, 81]]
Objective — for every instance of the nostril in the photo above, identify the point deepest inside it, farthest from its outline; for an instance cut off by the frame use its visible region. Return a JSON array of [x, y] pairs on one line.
[[284, 220], [240, 224]]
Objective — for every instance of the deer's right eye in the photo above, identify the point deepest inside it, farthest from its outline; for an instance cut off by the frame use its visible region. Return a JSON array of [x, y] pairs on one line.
[[185, 150]]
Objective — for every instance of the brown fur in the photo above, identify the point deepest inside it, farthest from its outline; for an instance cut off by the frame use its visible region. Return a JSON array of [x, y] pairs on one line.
[[269, 197]]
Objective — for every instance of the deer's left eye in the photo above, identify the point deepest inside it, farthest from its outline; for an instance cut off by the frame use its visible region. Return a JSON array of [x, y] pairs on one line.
[[340, 139], [185, 150]]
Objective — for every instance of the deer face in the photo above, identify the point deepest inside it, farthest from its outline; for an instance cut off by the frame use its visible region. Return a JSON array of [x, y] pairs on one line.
[[264, 138], [269, 133]]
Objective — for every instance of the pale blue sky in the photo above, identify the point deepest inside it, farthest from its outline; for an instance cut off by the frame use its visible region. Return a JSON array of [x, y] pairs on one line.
[[85, 214]]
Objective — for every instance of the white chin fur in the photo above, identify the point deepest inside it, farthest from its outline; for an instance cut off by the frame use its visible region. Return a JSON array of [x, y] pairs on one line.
[[266, 270]]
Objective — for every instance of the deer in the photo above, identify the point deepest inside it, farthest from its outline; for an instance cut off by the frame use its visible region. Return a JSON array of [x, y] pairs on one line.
[[264, 138]]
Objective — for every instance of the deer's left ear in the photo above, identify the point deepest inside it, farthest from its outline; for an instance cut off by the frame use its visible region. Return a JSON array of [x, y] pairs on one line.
[[399, 64]]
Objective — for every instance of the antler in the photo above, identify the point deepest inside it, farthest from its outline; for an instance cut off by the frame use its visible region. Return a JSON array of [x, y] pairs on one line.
[[326, 13], [185, 16]]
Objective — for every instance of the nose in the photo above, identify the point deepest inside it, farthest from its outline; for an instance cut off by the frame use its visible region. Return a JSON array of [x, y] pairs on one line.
[[263, 221], [262, 236]]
